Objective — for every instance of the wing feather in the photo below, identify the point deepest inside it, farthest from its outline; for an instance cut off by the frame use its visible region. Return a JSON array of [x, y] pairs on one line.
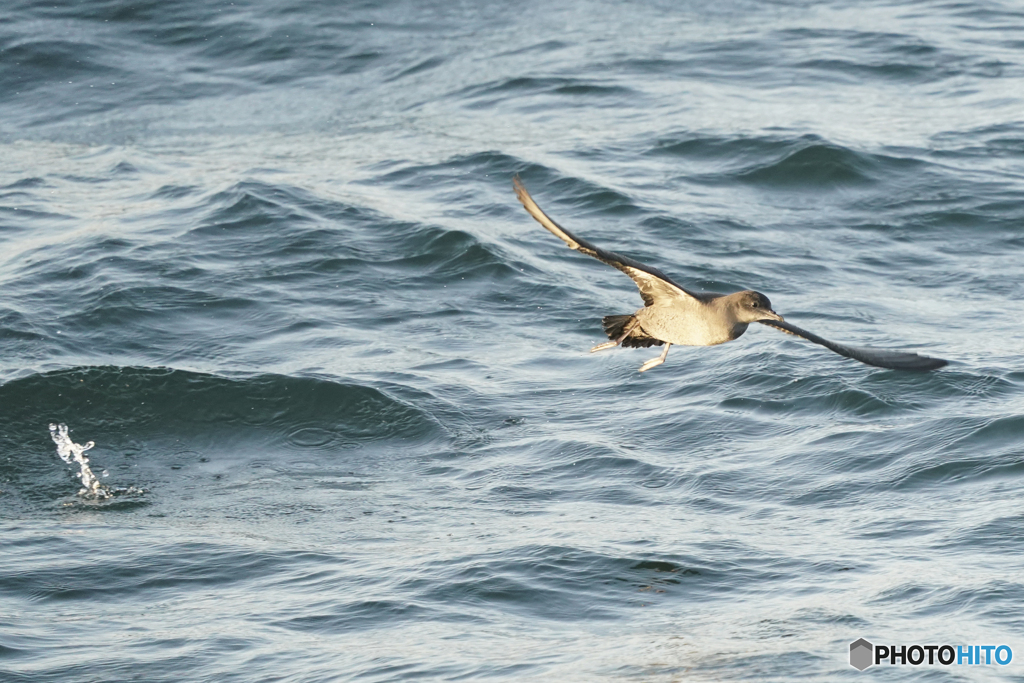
[[652, 282], [882, 358]]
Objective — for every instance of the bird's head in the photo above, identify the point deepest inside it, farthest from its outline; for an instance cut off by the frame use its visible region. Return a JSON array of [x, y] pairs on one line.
[[751, 307]]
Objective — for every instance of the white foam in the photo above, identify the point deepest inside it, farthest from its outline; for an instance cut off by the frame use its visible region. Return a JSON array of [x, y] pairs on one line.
[[69, 452]]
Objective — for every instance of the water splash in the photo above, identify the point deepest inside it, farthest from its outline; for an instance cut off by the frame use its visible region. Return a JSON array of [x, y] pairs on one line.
[[69, 452]]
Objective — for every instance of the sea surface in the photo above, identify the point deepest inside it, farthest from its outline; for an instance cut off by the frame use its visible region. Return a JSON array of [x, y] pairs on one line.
[[265, 254]]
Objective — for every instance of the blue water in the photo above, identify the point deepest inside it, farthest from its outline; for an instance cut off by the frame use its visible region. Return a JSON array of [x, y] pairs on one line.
[[266, 255]]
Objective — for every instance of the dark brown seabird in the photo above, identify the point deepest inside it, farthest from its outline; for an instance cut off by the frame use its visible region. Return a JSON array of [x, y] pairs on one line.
[[674, 315]]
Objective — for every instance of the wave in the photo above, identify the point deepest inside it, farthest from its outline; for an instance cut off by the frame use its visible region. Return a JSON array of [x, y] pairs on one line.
[[804, 163], [171, 401], [190, 417], [570, 91], [211, 267], [297, 231]]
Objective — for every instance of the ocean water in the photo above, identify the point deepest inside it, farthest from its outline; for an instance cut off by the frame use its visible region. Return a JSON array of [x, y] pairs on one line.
[[266, 255]]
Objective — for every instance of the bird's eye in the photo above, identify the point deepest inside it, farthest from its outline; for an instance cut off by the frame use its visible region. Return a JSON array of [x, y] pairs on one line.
[[754, 304]]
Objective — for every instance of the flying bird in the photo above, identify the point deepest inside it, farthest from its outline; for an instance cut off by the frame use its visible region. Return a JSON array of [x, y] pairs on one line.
[[673, 314]]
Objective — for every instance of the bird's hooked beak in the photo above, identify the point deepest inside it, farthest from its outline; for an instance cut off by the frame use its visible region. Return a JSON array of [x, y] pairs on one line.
[[772, 315]]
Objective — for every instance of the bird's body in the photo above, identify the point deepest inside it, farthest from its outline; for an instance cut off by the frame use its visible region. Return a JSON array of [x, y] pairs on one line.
[[674, 315], [691, 322]]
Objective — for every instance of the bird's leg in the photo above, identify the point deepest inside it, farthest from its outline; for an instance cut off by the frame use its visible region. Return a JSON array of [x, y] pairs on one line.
[[656, 361], [615, 342]]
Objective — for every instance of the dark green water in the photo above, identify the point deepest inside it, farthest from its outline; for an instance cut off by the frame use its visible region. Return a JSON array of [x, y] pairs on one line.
[[266, 255]]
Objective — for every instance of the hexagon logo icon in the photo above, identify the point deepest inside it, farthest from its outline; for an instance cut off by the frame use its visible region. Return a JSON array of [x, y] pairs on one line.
[[861, 654]]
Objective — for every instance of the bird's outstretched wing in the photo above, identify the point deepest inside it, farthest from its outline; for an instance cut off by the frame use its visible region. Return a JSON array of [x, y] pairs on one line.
[[651, 281], [882, 358]]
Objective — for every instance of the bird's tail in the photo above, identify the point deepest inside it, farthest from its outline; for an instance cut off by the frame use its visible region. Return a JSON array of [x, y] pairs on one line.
[[615, 325]]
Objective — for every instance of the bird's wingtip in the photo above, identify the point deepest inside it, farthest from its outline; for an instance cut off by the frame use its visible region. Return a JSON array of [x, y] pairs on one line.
[[935, 363], [519, 188]]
